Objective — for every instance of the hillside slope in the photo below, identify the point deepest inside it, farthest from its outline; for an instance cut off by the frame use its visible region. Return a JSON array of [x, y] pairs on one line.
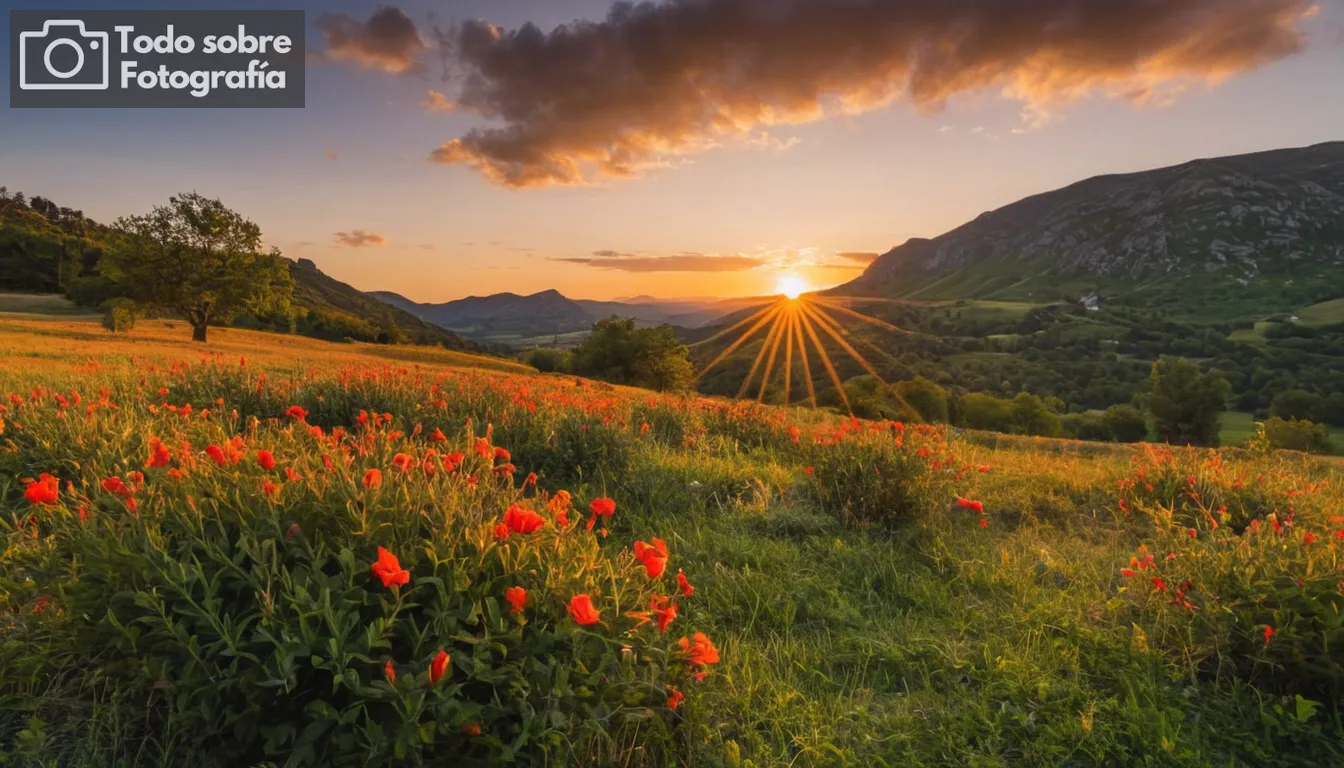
[[1209, 237]]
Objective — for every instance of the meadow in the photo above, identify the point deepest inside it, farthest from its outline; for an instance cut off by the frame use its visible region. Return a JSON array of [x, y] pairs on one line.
[[269, 550]]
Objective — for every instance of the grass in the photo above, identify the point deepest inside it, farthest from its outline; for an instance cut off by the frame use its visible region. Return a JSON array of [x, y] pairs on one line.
[[1324, 313], [930, 640], [1239, 427], [41, 304]]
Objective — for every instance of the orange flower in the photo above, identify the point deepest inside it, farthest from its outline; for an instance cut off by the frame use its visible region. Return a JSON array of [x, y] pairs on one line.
[[271, 489], [437, 436], [438, 667], [502, 456], [472, 729], [390, 673], [114, 485], [216, 454], [159, 455], [602, 507], [501, 531], [388, 570], [1269, 632], [521, 520], [373, 478], [295, 412], [45, 490], [266, 460], [452, 461], [581, 608], [665, 611], [700, 652], [517, 597], [684, 584], [402, 461], [653, 556], [1128, 573], [674, 698], [483, 446]]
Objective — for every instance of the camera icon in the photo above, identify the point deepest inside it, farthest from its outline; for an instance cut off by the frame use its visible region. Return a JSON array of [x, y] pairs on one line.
[[64, 56]]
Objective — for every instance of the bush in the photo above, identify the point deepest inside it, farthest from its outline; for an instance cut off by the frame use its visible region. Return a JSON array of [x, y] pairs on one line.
[[986, 412], [1297, 435], [549, 360], [119, 315], [926, 398], [1127, 424], [883, 478]]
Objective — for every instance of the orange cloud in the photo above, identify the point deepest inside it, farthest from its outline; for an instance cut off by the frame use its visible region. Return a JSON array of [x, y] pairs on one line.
[[682, 262], [656, 82], [437, 102], [358, 238], [388, 41]]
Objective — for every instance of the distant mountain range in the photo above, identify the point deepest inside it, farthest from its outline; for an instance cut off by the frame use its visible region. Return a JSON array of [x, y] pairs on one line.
[[1216, 238], [511, 317]]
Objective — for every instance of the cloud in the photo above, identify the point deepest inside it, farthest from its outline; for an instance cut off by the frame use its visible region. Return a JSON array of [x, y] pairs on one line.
[[331, 154], [862, 258], [683, 262], [437, 102], [655, 82], [388, 41], [358, 238]]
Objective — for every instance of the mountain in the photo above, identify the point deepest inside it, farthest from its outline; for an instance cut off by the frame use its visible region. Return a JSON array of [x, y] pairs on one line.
[[511, 317], [1211, 237]]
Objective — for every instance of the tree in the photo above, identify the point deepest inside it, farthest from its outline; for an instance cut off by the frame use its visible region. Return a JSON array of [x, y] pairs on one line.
[[1297, 435], [619, 352], [926, 398], [1186, 403], [1296, 404], [1126, 423], [1032, 417], [981, 411], [197, 258]]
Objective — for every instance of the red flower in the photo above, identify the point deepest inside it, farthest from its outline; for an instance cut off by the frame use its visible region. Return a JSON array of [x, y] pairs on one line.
[[1192, 533], [159, 455], [502, 455], [402, 461], [653, 556], [483, 446], [296, 413], [1269, 632], [581, 608], [1308, 538], [390, 673], [472, 729], [521, 520], [270, 489], [602, 507], [700, 652], [373, 478], [1128, 573], [665, 611], [438, 667], [216, 454], [45, 490], [501, 531], [684, 584], [266, 460], [674, 698], [452, 461], [437, 436], [388, 570], [114, 485], [517, 597], [975, 506]]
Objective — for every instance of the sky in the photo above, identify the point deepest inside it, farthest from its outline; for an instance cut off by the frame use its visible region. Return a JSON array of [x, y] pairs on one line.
[[701, 148]]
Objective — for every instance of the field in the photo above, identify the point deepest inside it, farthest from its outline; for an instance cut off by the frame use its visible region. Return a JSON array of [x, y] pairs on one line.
[[1325, 313], [575, 573]]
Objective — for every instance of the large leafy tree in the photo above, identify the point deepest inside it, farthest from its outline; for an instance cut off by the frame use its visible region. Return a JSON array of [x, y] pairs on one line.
[[620, 352], [199, 259], [1186, 403]]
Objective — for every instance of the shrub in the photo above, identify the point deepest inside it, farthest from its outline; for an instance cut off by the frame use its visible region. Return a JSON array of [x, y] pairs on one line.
[[887, 477], [1297, 435], [1126, 423], [119, 315], [549, 360], [927, 399], [986, 412]]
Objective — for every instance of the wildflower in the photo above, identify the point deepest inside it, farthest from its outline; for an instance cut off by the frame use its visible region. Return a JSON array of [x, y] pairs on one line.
[[674, 698], [1128, 573], [216, 454], [501, 531], [581, 608], [684, 584], [437, 436], [402, 461], [292, 531], [502, 456], [1159, 585], [700, 652], [388, 570], [271, 489], [975, 506], [1269, 632], [665, 611], [517, 597], [296, 413], [521, 520], [602, 507], [159, 455], [809, 471], [266, 460], [653, 556], [452, 461], [390, 673], [984, 523], [45, 490], [472, 729], [438, 667], [1308, 538], [373, 478], [115, 486], [483, 447]]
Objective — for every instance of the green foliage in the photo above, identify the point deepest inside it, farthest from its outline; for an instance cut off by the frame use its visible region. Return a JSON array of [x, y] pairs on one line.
[[199, 259], [880, 477], [549, 360], [927, 399], [1126, 423], [981, 411], [1293, 404], [619, 352], [119, 315], [1185, 403], [1297, 435], [1032, 417]]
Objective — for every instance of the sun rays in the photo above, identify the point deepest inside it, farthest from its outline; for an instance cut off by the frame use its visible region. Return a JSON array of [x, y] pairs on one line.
[[790, 325]]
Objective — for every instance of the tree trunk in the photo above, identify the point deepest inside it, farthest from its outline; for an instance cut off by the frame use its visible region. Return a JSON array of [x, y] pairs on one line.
[[198, 332]]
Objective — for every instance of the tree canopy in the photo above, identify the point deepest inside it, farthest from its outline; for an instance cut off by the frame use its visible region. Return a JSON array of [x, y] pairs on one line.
[[1186, 403], [196, 257], [619, 352]]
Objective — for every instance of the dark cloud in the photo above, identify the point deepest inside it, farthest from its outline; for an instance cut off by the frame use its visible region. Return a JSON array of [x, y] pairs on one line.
[[862, 258], [657, 81], [388, 41], [683, 262], [358, 238]]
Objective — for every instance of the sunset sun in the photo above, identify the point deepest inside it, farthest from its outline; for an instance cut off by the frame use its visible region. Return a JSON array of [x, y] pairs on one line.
[[791, 286]]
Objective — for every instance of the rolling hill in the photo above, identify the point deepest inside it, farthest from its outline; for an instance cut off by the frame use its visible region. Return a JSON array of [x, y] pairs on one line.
[[1214, 238]]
